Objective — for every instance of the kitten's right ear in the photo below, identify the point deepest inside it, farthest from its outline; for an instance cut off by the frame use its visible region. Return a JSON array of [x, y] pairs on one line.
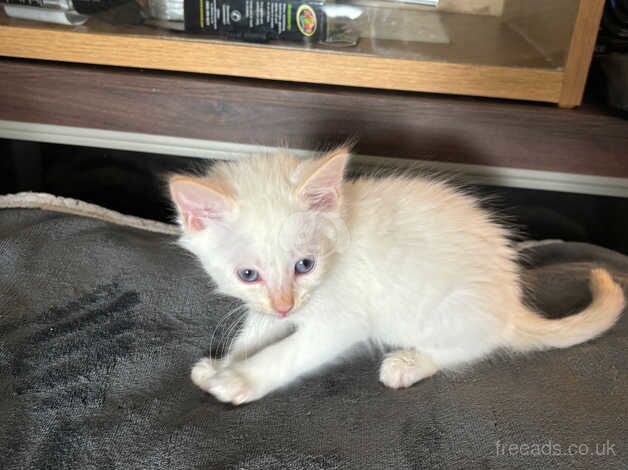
[[198, 201], [321, 189]]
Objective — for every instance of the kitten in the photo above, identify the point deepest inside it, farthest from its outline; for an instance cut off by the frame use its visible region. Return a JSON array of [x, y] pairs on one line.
[[325, 264]]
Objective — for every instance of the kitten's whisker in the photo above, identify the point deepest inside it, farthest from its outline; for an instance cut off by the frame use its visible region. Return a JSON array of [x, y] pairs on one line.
[[230, 330], [225, 319], [229, 314], [224, 339], [256, 319]]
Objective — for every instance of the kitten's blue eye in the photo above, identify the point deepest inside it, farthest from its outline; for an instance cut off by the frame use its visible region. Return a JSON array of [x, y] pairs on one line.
[[304, 265], [248, 275]]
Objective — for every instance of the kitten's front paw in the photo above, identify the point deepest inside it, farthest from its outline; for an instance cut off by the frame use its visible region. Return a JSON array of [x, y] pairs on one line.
[[230, 386], [202, 371]]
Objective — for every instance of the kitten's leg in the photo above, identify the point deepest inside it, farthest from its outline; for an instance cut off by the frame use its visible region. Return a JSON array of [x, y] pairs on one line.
[[257, 332], [279, 364], [405, 367]]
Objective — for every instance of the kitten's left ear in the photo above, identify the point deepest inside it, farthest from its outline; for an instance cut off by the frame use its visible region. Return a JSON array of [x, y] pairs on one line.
[[321, 189]]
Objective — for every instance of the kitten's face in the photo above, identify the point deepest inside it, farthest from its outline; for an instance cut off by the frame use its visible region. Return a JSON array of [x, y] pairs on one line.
[[265, 231], [272, 264]]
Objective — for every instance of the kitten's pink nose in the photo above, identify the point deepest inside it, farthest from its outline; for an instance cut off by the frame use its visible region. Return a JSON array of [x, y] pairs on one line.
[[283, 311], [283, 303]]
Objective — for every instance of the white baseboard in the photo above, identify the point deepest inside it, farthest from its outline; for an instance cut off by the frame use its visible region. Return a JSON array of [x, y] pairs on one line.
[[208, 149]]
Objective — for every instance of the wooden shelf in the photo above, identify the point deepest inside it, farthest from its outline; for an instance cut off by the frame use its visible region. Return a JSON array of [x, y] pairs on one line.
[[484, 57], [586, 141]]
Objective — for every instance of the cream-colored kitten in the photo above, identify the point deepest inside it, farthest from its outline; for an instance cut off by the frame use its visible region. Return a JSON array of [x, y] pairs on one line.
[[325, 264]]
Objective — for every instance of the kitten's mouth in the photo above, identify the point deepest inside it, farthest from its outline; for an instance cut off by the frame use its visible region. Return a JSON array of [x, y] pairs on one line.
[[283, 313], [271, 312], [280, 311]]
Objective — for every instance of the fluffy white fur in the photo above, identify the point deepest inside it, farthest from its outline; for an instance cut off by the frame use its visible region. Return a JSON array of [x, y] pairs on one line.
[[404, 262]]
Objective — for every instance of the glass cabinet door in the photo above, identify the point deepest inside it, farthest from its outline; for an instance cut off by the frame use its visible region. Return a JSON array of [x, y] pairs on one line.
[[503, 48]]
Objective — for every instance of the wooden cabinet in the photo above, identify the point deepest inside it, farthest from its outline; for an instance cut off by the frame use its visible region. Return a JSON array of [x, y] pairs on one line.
[[114, 87], [518, 49]]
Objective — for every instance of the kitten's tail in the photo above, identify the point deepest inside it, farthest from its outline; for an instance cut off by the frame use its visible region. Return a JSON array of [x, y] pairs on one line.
[[533, 332]]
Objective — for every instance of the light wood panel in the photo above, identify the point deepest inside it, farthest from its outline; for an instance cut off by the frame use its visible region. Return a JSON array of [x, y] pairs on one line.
[[276, 63], [581, 52]]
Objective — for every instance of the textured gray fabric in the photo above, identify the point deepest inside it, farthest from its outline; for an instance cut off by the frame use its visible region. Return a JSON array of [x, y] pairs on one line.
[[99, 325]]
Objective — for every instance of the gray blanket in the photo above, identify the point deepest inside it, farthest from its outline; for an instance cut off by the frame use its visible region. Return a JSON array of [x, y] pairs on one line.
[[99, 325]]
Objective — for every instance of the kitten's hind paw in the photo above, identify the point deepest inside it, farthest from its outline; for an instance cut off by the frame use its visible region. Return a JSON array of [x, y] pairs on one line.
[[401, 369], [202, 371]]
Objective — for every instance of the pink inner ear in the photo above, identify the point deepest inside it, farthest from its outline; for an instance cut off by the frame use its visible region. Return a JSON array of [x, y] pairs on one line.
[[322, 189], [197, 203], [324, 199]]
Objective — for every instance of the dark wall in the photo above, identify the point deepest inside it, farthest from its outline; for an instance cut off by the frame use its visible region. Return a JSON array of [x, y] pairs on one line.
[[132, 183]]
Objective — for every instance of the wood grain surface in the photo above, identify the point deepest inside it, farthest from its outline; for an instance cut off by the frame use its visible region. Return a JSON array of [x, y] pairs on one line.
[[137, 48], [406, 125], [580, 52]]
